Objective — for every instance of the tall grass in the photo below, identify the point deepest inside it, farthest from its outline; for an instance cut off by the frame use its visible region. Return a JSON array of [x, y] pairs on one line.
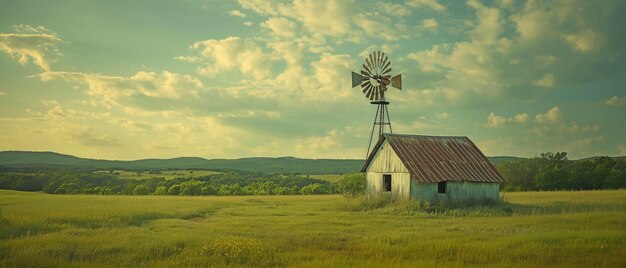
[[570, 229]]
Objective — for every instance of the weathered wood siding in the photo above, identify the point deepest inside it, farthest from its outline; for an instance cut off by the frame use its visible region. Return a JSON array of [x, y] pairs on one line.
[[463, 190], [456, 190], [386, 161]]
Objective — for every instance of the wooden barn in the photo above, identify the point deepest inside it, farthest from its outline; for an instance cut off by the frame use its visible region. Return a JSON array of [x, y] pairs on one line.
[[430, 168]]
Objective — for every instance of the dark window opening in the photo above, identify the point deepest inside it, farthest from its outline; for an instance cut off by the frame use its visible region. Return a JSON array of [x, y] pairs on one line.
[[441, 187], [387, 182]]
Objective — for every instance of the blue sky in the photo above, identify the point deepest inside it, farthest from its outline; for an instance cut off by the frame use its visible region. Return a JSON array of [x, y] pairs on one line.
[[229, 79]]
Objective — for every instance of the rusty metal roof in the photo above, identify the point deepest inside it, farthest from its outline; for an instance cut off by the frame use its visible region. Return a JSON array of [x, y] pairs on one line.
[[439, 158]]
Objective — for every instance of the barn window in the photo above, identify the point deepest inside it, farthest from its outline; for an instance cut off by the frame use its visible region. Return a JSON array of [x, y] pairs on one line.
[[387, 182], [441, 187]]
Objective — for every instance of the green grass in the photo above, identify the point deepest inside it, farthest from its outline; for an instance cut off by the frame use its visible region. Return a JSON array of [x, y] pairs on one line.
[[167, 174], [566, 229]]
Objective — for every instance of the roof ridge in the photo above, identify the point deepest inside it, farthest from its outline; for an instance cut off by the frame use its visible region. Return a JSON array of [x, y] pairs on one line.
[[424, 136]]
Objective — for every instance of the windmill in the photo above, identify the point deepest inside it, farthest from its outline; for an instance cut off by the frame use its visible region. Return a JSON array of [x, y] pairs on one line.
[[374, 78]]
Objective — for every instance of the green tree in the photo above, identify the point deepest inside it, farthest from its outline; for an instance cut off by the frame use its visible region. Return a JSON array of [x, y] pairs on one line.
[[174, 190], [160, 190], [141, 190]]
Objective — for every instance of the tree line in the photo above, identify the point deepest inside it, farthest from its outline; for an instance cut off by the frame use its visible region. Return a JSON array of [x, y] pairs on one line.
[[107, 183], [553, 171]]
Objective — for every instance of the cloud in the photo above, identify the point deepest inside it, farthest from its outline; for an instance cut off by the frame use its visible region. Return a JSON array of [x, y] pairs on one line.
[[2, 93], [31, 43], [622, 149], [495, 120], [233, 53], [553, 115], [545, 81], [576, 128], [280, 26], [330, 17], [248, 23], [493, 63], [521, 118], [393, 9], [110, 89], [615, 101], [433, 4], [443, 115], [237, 13], [430, 24]]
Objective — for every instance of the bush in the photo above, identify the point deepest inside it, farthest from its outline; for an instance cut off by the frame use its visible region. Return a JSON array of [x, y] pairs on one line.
[[351, 185]]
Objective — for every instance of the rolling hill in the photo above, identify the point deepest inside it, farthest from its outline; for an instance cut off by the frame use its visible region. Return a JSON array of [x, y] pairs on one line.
[[22, 159]]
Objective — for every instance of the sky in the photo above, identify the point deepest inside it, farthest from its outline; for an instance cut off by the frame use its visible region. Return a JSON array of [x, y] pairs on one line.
[[229, 79]]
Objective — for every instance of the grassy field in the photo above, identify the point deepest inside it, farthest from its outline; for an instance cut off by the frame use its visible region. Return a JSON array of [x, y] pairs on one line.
[[167, 174], [581, 229]]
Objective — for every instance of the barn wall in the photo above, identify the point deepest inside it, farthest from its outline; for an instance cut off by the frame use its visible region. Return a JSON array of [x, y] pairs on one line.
[[424, 191], [456, 191], [400, 182], [473, 190], [386, 161]]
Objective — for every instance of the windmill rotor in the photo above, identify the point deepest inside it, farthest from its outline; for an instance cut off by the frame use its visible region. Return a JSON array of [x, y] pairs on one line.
[[375, 77]]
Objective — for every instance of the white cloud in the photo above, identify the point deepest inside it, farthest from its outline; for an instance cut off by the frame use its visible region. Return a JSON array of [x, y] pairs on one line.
[[433, 4], [110, 89], [615, 101], [393, 9], [495, 120], [521, 118], [489, 24], [330, 17], [248, 23], [443, 115], [622, 149], [233, 53], [553, 115], [237, 13], [430, 24], [259, 6], [545, 81], [2, 93], [576, 128], [280, 26], [31, 43]]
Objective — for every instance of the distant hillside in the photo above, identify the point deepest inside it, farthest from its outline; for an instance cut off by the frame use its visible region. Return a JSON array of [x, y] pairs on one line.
[[262, 164], [281, 165]]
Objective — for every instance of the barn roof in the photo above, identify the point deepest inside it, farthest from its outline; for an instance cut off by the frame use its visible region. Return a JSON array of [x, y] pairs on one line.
[[439, 158]]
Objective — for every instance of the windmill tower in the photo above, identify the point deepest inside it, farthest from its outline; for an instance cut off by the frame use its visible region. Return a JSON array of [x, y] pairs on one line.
[[374, 78]]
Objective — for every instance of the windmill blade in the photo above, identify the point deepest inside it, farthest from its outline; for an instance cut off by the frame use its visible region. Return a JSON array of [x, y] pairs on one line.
[[383, 58], [396, 82], [366, 83], [387, 68], [365, 75], [371, 63], [368, 91], [356, 79], [366, 70], [385, 62]]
